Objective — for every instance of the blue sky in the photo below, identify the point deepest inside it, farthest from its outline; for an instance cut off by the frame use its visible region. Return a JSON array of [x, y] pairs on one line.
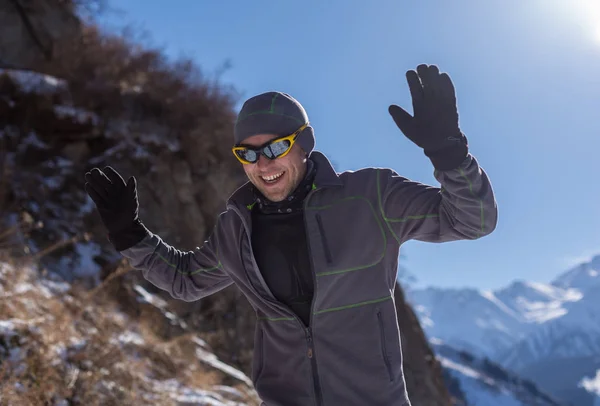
[[527, 76]]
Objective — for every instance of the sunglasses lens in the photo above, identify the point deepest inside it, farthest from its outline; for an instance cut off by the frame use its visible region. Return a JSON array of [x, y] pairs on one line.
[[277, 148], [247, 154], [271, 151]]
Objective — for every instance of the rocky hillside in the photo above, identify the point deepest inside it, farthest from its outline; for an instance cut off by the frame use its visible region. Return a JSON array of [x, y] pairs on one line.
[[102, 100], [32, 28], [61, 344]]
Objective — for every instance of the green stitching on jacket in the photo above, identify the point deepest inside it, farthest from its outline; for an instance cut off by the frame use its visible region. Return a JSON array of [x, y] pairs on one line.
[[407, 218], [273, 102], [382, 212], [481, 211], [398, 220], [333, 309], [277, 318], [378, 223], [199, 270]]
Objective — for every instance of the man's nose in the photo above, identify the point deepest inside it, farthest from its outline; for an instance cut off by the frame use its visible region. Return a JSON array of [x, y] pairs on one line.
[[263, 161]]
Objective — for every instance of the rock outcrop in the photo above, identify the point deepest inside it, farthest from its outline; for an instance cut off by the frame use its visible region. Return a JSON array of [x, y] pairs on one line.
[[31, 28]]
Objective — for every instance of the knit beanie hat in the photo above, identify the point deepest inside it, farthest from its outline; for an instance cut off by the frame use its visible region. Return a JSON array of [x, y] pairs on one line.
[[274, 113]]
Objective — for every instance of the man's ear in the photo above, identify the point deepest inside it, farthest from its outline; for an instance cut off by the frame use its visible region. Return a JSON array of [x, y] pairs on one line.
[[302, 151]]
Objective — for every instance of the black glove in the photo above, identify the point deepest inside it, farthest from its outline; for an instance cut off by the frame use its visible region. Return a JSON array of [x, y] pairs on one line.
[[434, 126], [117, 204]]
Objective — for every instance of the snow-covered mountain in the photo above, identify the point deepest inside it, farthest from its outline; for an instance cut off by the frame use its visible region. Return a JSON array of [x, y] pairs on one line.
[[574, 334], [537, 302], [477, 381], [491, 323], [468, 319], [547, 332], [583, 276]]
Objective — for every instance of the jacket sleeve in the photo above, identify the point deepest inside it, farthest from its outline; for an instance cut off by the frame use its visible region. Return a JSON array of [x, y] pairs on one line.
[[463, 208], [187, 276]]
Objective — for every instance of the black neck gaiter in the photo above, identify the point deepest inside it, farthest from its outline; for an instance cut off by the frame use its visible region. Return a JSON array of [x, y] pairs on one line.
[[281, 249]]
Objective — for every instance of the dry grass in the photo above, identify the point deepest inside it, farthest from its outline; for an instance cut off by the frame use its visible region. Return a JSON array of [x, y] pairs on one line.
[[115, 76], [67, 347]]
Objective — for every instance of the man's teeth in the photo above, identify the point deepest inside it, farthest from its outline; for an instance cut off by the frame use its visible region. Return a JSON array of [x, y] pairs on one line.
[[272, 177]]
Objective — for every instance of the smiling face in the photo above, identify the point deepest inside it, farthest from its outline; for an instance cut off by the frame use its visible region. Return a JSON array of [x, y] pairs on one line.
[[277, 178]]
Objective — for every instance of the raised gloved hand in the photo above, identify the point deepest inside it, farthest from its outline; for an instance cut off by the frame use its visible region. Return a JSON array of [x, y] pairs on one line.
[[434, 126], [117, 204]]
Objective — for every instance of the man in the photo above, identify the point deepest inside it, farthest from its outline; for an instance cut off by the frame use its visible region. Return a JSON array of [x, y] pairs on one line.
[[314, 251]]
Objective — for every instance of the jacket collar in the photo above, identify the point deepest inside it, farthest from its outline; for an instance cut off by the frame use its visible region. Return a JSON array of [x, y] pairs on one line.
[[325, 176]]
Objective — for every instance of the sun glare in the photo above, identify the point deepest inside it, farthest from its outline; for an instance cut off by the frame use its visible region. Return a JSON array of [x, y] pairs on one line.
[[589, 12], [591, 8]]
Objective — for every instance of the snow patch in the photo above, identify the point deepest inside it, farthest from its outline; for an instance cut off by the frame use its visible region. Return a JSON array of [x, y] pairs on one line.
[[58, 163], [55, 287], [53, 182], [185, 395], [592, 385], [147, 297], [79, 115], [29, 81], [128, 337], [464, 370], [492, 298], [212, 360], [436, 341], [200, 342], [7, 328], [32, 140]]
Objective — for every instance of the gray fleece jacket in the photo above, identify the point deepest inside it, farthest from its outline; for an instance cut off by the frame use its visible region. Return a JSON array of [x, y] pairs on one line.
[[356, 221]]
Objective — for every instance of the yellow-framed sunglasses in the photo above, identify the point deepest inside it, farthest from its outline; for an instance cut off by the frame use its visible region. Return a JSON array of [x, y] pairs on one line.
[[276, 148]]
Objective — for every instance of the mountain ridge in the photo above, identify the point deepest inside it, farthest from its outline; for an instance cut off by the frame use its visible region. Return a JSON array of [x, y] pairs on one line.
[[525, 326]]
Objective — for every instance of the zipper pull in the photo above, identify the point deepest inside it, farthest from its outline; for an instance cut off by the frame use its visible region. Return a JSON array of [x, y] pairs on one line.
[[309, 339]]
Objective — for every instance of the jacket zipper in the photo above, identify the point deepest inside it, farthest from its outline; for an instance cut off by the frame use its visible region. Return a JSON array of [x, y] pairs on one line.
[[309, 332], [383, 346], [313, 361], [324, 239]]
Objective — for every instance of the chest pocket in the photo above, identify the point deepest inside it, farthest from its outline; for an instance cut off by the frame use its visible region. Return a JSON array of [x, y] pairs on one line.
[[346, 235]]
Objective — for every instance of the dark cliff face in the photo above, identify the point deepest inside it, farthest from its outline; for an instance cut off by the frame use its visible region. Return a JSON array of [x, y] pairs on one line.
[[52, 131], [30, 30], [424, 374]]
